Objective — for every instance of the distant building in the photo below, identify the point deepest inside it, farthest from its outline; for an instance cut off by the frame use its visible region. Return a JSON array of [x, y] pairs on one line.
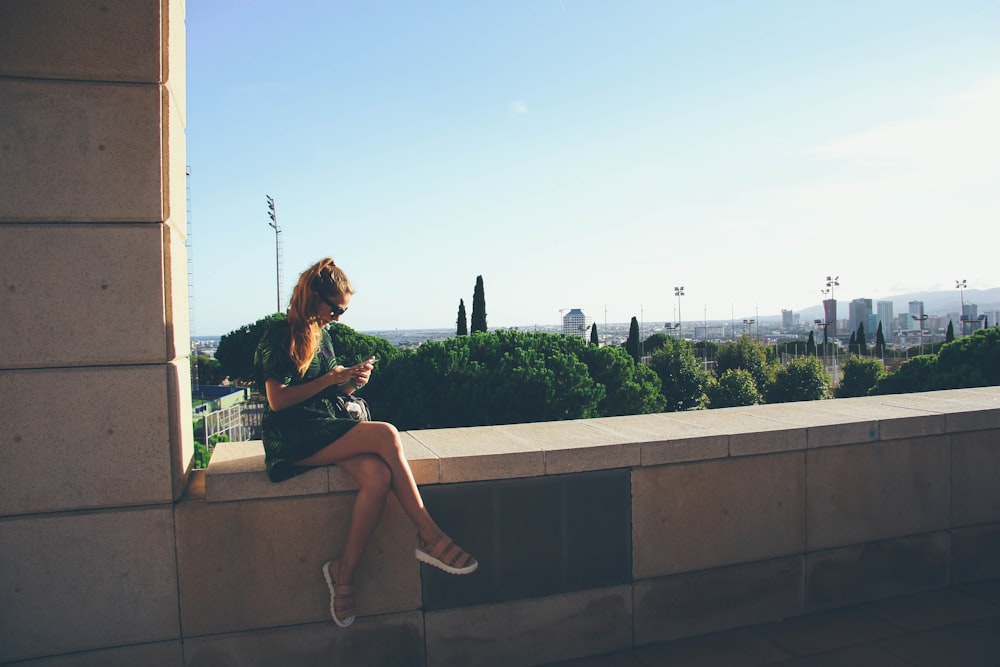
[[883, 311], [859, 310], [789, 320], [916, 313], [575, 323], [830, 315]]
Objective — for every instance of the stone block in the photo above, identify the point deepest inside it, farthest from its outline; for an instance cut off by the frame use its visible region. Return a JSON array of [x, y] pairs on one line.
[[157, 654], [179, 416], [248, 565], [425, 464], [700, 602], [87, 580], [575, 446], [876, 571], [236, 472], [975, 460], [103, 290], [662, 439], [389, 640], [65, 39], [712, 513], [78, 438], [177, 307], [825, 425], [482, 452], [749, 431], [81, 152], [975, 553], [877, 491], [531, 632]]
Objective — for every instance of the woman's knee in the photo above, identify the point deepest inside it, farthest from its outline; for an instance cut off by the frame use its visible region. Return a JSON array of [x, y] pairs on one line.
[[372, 474]]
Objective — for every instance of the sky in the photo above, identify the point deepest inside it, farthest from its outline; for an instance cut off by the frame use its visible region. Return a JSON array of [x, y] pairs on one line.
[[591, 154]]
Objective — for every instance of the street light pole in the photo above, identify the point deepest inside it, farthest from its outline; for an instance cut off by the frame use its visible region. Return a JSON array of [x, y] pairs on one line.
[[679, 292], [921, 320], [747, 323], [273, 214], [960, 285]]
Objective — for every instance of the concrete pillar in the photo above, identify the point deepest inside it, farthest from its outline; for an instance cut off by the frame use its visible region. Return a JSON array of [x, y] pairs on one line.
[[96, 439]]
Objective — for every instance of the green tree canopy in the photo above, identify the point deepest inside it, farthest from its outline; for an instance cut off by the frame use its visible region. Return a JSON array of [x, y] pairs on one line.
[[462, 324], [860, 376], [632, 343], [478, 307], [749, 355], [682, 380], [802, 380], [236, 348], [734, 388], [879, 341], [593, 335]]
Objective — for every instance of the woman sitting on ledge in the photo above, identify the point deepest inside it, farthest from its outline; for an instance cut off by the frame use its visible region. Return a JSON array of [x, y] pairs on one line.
[[295, 361]]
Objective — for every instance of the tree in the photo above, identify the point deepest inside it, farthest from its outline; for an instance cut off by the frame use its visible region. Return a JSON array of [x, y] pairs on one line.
[[209, 370], [811, 344], [682, 380], [478, 307], [749, 355], [862, 341], [734, 388], [632, 343], [879, 341], [861, 376], [593, 334], [852, 342], [462, 323], [949, 335], [804, 379], [237, 348], [503, 377]]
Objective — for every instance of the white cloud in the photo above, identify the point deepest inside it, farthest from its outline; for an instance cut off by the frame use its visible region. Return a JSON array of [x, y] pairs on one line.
[[516, 108]]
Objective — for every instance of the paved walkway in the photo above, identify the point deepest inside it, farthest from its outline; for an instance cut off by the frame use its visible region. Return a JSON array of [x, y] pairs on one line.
[[955, 627]]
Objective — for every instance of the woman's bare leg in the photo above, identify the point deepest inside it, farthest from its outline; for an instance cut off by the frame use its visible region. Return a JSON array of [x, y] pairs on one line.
[[374, 481], [382, 440]]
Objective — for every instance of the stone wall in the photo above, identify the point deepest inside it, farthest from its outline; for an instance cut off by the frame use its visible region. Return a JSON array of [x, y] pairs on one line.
[[96, 440], [603, 534]]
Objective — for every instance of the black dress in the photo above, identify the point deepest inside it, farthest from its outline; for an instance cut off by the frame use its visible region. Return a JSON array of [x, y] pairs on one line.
[[299, 431]]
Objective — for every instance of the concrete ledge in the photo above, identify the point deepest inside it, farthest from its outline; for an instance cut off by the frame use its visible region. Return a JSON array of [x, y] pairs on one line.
[[455, 455]]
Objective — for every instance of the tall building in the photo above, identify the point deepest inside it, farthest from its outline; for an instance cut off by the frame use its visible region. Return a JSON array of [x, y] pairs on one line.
[[859, 310], [787, 319], [830, 316], [576, 323], [883, 310], [917, 317]]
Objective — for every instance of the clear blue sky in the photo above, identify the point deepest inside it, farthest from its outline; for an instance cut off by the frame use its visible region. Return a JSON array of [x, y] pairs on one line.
[[591, 154]]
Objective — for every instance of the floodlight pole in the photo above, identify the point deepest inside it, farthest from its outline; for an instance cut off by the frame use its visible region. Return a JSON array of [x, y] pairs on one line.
[[273, 214]]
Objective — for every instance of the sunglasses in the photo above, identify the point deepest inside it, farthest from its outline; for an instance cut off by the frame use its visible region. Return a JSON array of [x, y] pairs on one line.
[[335, 310]]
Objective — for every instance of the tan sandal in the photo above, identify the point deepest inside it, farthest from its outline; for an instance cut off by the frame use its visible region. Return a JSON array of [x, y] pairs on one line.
[[341, 596], [446, 555]]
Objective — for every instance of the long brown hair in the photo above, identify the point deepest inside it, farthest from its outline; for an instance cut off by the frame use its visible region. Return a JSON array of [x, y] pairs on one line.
[[322, 278]]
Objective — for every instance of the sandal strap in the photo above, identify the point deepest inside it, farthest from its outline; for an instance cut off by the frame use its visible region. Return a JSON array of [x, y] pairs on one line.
[[450, 553]]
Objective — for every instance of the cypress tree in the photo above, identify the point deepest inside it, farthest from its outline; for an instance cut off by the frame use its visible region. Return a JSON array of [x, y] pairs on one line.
[[479, 306], [632, 344], [463, 326], [593, 334], [811, 344], [949, 335], [879, 341], [862, 340]]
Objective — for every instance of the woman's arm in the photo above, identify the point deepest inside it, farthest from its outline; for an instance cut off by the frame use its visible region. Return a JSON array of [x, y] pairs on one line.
[[281, 396]]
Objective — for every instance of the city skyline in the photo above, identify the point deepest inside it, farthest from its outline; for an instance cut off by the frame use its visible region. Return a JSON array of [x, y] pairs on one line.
[[594, 155]]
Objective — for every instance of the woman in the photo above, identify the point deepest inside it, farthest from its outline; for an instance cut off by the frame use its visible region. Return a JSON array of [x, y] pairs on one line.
[[296, 363]]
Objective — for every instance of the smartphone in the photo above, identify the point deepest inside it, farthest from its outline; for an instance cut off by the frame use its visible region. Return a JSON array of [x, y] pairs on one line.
[[370, 361]]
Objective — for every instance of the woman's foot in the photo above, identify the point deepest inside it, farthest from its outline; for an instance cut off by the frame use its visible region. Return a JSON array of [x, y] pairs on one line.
[[341, 595], [445, 555]]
